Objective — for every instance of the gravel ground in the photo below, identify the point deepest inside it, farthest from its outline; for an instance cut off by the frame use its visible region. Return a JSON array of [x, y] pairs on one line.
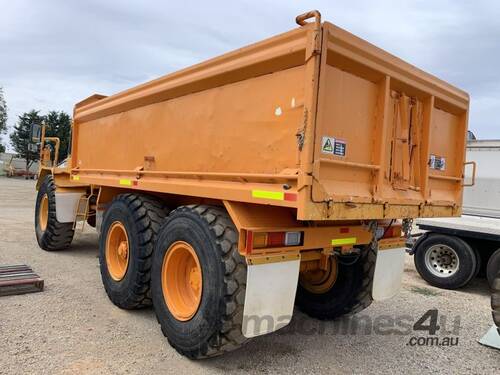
[[72, 327]]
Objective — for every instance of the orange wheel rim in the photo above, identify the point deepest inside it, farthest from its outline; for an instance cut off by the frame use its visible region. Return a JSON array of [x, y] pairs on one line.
[[117, 251], [320, 281], [181, 280], [43, 215]]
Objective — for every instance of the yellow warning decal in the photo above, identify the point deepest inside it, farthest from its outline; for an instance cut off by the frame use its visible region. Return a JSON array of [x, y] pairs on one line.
[[76, 178], [344, 241], [125, 182], [276, 195]]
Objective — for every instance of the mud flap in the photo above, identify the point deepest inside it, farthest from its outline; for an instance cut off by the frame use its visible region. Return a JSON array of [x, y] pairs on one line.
[[388, 275], [270, 297], [66, 205]]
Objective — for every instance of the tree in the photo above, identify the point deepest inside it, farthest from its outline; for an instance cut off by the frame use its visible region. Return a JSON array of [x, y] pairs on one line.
[[59, 125], [21, 137], [3, 118]]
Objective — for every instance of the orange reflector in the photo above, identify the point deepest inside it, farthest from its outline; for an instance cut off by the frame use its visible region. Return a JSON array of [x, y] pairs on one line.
[[259, 240]]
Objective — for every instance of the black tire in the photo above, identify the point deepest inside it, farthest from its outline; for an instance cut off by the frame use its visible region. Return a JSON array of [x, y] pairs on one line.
[[56, 236], [216, 327], [92, 218], [141, 216], [467, 263], [475, 247], [493, 267], [350, 294], [495, 300]]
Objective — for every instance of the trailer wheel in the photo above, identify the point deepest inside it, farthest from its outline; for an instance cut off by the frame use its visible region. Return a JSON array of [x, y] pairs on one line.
[[50, 234], [479, 260], [445, 261], [493, 267], [348, 292], [126, 244], [495, 300], [198, 282]]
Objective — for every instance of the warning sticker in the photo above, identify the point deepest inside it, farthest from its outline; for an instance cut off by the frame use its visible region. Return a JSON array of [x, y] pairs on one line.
[[437, 162], [327, 145], [339, 147], [333, 146]]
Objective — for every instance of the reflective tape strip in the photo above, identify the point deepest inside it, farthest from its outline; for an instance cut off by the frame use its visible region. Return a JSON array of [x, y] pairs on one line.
[[125, 182], [344, 241], [76, 178], [276, 195]]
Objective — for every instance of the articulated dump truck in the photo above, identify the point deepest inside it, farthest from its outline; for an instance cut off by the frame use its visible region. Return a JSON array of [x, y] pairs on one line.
[[281, 174]]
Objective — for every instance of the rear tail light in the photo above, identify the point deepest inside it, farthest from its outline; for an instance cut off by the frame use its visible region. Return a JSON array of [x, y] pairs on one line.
[[274, 239]]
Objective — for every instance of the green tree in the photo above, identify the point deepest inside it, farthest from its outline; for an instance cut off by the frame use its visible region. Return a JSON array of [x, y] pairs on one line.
[[21, 136], [59, 125], [3, 118]]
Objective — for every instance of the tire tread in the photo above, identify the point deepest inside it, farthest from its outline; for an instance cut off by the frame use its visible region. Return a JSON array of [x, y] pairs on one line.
[[148, 213], [229, 337], [57, 236]]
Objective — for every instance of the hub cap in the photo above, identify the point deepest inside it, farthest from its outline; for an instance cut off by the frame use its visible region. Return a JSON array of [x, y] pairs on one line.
[[43, 215], [441, 260], [319, 281], [117, 251], [181, 280]]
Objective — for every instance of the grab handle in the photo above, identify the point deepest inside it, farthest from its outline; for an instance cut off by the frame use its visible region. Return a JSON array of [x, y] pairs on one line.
[[301, 19], [473, 178]]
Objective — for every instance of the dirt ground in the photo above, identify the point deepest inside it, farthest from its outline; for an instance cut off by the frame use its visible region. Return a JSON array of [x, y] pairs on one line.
[[72, 327]]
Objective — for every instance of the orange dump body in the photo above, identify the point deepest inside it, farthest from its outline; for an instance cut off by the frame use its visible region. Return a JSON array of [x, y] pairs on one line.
[[315, 119]]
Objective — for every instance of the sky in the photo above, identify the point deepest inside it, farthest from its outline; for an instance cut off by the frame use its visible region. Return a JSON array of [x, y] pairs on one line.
[[54, 53]]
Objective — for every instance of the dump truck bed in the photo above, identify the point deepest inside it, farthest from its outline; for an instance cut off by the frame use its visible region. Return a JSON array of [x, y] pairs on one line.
[[315, 119]]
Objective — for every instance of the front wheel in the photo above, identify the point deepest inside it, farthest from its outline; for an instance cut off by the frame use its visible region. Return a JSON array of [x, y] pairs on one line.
[[198, 282], [343, 288]]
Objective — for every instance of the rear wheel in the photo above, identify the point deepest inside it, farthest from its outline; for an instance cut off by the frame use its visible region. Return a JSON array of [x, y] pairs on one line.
[[493, 267], [495, 300], [475, 247], [50, 233], [343, 288], [445, 261], [198, 282], [126, 243]]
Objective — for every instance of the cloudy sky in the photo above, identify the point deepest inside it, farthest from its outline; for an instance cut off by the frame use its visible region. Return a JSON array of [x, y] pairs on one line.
[[54, 53]]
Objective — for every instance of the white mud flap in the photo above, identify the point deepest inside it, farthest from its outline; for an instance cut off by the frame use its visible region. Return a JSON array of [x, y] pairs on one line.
[[66, 205], [388, 275], [270, 297]]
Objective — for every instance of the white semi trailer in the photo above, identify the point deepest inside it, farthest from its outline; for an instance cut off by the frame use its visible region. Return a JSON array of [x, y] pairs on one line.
[[452, 251]]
